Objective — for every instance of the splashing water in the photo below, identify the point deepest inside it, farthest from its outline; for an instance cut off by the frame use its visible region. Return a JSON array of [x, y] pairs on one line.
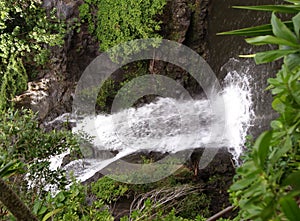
[[239, 113], [169, 125]]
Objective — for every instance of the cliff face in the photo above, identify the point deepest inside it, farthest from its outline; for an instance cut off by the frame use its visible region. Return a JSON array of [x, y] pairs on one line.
[[50, 94]]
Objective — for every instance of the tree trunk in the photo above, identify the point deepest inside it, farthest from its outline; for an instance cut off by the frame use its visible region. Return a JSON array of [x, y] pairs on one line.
[[14, 204]]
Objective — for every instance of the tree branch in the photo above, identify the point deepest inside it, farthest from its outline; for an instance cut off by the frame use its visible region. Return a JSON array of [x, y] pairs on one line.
[[14, 204]]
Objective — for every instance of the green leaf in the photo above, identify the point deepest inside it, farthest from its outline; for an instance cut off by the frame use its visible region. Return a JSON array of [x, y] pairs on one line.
[[60, 197], [276, 82], [281, 30], [294, 87], [269, 39], [268, 56], [272, 8], [290, 208], [252, 31], [276, 125], [50, 214], [296, 2], [296, 23], [36, 207], [42, 210], [256, 189], [10, 168], [292, 61], [295, 126], [293, 180], [261, 147], [282, 150], [243, 183], [278, 105]]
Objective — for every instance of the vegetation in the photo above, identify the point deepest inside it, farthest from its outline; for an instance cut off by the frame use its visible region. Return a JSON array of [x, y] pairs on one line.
[[115, 22], [25, 148], [25, 33], [267, 185], [96, 202], [110, 87], [71, 204]]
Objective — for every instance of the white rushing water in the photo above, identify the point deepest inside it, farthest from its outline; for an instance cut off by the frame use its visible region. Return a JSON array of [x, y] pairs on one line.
[[168, 125]]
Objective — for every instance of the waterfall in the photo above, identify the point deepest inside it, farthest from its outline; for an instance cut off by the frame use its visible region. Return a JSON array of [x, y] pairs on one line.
[[168, 126]]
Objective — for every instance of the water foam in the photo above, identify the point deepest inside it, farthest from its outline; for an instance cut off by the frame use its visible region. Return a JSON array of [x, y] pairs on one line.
[[239, 113], [168, 125]]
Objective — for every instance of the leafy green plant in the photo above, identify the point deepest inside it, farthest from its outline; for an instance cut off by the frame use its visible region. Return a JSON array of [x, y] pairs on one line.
[[9, 168], [283, 34], [25, 147], [71, 204], [267, 185], [114, 22], [192, 205], [108, 190], [25, 30], [160, 214]]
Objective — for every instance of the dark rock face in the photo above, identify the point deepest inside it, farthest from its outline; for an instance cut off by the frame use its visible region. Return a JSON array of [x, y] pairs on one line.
[[184, 21], [51, 94], [176, 20]]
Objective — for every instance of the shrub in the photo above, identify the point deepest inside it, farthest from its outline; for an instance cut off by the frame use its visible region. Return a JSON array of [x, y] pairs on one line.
[[119, 21], [267, 185], [24, 147], [71, 204], [25, 33]]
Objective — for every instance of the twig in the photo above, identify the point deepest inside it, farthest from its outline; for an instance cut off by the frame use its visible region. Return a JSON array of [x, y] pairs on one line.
[[165, 197], [220, 214]]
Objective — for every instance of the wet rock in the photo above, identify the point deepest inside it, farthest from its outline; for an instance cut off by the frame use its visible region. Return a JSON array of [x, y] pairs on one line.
[[93, 179], [64, 9], [196, 36], [140, 157], [221, 163], [52, 93], [185, 22], [176, 20], [44, 95], [36, 97]]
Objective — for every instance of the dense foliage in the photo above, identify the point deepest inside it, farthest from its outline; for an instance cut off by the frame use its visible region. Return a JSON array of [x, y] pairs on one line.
[[71, 204], [25, 148], [119, 21], [98, 201], [268, 186], [25, 31]]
